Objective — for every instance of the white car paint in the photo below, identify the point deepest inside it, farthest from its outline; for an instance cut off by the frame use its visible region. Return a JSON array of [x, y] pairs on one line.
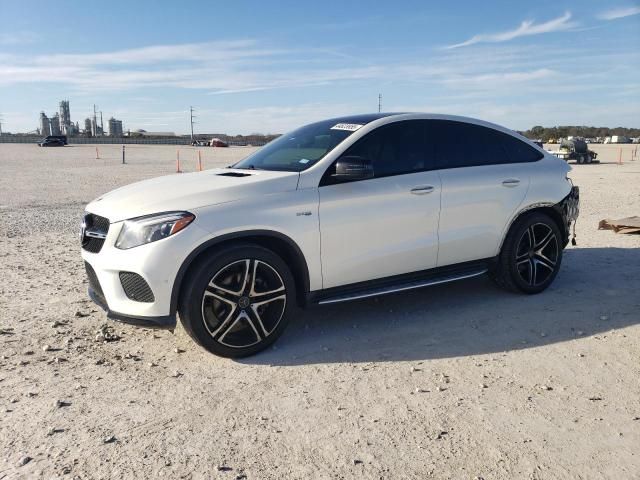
[[476, 204], [347, 233], [360, 225], [188, 191]]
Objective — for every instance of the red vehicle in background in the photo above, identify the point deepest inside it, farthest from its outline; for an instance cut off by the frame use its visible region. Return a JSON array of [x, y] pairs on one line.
[[216, 142]]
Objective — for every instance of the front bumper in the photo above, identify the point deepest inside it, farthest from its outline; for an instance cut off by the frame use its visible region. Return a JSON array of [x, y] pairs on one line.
[[166, 322], [156, 264]]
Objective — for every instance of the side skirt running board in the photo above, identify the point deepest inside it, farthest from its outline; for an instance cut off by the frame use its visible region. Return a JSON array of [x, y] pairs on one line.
[[407, 285]]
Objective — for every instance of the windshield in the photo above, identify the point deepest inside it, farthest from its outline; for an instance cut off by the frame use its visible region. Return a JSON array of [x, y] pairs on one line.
[[298, 150]]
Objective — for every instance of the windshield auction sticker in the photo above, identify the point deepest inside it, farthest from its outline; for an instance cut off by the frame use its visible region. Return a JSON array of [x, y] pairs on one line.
[[351, 127]]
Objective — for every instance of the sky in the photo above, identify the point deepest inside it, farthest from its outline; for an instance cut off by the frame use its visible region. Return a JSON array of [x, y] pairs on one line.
[[251, 67]]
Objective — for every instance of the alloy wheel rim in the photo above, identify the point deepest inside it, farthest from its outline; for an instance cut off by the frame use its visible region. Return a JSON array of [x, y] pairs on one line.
[[537, 254], [243, 303]]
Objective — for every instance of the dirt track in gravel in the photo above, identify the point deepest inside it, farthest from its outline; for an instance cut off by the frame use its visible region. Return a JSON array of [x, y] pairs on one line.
[[456, 381]]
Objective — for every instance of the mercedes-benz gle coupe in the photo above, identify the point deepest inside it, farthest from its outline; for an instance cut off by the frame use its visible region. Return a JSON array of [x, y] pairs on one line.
[[337, 210]]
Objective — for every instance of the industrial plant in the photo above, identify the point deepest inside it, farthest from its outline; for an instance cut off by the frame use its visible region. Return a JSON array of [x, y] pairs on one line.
[[60, 124]]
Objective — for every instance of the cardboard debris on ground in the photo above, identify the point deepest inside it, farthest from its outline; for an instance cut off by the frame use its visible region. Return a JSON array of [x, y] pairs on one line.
[[624, 225]]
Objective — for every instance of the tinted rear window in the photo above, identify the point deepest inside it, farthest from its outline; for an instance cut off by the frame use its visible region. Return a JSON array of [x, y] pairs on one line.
[[519, 151], [466, 145]]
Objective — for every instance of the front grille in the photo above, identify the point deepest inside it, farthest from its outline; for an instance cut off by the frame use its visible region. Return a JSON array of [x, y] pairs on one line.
[[94, 225], [93, 245], [94, 284], [136, 288]]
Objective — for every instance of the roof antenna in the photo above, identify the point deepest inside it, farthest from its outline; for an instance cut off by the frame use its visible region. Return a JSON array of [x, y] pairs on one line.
[[379, 102]]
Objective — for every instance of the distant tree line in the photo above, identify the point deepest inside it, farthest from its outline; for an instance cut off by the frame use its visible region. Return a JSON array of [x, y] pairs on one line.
[[545, 133]]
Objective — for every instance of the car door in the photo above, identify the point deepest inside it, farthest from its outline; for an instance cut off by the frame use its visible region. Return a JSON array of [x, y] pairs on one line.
[[485, 176], [385, 225]]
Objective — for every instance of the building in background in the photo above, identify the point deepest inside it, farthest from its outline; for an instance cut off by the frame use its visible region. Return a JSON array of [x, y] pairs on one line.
[[65, 118], [96, 130], [55, 124], [45, 125], [72, 130], [61, 124], [87, 127], [115, 127]]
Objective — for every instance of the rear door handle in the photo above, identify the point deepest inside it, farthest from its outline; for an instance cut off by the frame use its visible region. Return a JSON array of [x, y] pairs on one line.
[[511, 182], [422, 189]]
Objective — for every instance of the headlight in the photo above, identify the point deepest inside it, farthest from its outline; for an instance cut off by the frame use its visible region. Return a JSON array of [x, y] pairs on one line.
[[150, 228]]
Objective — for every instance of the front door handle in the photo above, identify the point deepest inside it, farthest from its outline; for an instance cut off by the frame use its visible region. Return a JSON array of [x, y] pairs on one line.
[[511, 182], [422, 189]]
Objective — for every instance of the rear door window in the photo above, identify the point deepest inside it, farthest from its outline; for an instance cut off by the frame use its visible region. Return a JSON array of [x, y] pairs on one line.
[[466, 145]]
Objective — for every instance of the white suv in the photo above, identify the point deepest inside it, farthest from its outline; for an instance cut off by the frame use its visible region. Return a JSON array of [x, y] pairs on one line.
[[337, 210]]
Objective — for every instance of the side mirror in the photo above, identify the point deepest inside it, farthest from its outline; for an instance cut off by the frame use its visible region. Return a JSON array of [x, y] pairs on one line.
[[353, 168]]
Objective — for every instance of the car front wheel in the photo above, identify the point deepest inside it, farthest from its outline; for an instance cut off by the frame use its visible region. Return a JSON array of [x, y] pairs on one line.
[[238, 301], [531, 255]]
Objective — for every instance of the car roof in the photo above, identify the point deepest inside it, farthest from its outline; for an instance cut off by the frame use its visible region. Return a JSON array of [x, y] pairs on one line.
[[391, 117], [382, 118], [385, 117], [364, 118]]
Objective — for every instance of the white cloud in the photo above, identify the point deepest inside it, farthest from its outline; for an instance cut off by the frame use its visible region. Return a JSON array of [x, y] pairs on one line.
[[619, 13], [497, 79], [209, 52], [247, 65], [526, 28], [18, 38], [219, 67], [486, 81], [272, 119]]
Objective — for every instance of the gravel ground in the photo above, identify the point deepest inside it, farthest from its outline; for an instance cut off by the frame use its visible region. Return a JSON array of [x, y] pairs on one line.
[[460, 381]]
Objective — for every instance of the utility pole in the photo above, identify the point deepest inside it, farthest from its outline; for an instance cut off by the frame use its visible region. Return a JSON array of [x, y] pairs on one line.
[[379, 102], [192, 122], [0, 125]]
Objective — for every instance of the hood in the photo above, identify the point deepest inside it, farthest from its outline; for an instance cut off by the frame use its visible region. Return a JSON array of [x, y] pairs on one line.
[[185, 191]]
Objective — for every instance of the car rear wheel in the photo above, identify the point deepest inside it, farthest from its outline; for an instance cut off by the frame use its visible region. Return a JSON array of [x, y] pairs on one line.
[[238, 301], [531, 255]]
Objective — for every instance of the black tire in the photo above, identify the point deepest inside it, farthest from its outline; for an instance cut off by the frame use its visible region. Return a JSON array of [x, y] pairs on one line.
[[523, 267], [257, 282]]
